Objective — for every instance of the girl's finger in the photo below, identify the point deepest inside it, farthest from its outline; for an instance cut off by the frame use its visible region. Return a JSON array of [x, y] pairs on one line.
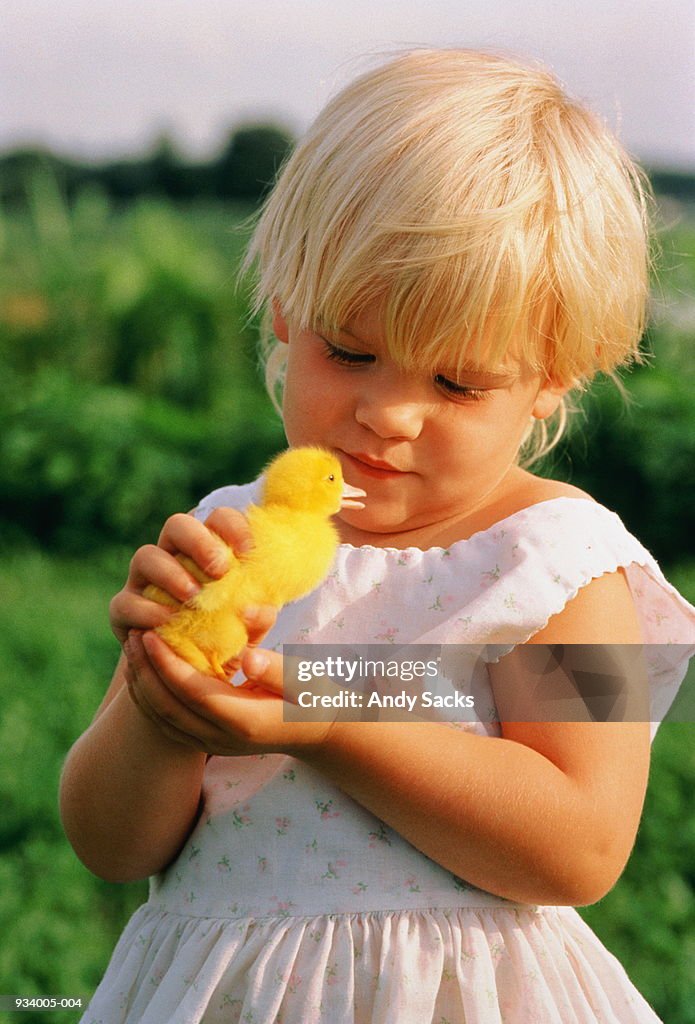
[[153, 565], [264, 668], [132, 611], [259, 621], [184, 534], [154, 697], [233, 527], [190, 688]]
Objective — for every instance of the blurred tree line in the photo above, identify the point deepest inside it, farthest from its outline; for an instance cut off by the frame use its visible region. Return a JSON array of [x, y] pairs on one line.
[[243, 170]]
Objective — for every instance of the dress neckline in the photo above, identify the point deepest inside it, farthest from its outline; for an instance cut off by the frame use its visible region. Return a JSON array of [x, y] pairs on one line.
[[435, 548]]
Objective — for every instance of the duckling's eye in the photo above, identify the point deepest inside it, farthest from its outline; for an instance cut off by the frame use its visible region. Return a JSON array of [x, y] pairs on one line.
[[331, 478]]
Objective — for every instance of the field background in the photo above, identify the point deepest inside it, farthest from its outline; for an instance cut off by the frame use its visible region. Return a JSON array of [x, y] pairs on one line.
[[130, 388]]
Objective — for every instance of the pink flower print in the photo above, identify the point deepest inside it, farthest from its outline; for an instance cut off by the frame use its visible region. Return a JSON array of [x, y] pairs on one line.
[[241, 819], [262, 864], [381, 836], [325, 809], [195, 852], [224, 864], [412, 884], [303, 633], [436, 606], [377, 585], [360, 887], [290, 775], [339, 623], [332, 974], [281, 826], [499, 534], [446, 553], [388, 636], [312, 847], [294, 981], [404, 557], [428, 579]]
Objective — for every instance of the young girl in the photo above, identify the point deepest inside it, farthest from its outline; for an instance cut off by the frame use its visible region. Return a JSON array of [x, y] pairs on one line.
[[453, 248]]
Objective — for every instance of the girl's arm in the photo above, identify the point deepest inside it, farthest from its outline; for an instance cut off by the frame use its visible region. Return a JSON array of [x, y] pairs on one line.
[[129, 795], [130, 790], [547, 813]]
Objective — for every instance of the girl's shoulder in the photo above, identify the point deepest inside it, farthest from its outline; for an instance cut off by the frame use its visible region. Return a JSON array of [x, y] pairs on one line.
[[537, 489]]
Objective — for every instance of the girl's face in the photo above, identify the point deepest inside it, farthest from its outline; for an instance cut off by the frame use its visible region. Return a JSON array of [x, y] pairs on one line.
[[429, 450]]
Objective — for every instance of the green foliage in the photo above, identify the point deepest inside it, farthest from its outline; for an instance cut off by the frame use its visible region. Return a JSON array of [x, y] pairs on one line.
[[58, 923], [130, 379]]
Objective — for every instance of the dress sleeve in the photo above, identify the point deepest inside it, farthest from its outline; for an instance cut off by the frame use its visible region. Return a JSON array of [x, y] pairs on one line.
[[238, 496], [547, 554]]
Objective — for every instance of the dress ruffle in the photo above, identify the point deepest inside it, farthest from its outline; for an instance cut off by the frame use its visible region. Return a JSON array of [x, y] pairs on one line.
[[479, 966]]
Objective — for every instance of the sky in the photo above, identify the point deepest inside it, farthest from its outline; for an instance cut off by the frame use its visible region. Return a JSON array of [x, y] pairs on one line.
[[98, 79]]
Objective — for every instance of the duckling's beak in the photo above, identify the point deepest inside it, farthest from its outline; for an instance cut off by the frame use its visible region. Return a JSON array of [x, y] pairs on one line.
[[350, 495]]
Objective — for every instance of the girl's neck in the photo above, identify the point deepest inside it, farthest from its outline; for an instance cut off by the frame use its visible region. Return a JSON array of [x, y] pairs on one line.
[[521, 489]]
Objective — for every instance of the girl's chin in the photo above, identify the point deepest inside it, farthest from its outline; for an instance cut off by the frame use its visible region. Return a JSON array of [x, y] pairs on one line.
[[360, 526]]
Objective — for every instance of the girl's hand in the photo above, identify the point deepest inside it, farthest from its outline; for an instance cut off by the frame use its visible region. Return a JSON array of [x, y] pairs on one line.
[[212, 716], [157, 564]]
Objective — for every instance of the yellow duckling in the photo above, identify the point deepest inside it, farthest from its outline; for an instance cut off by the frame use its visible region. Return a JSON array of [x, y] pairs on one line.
[[294, 545]]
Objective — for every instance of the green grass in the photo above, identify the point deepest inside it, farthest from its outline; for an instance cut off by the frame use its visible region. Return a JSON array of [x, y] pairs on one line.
[[58, 922]]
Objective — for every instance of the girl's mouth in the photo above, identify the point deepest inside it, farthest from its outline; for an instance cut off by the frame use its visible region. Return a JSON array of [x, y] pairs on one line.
[[374, 468]]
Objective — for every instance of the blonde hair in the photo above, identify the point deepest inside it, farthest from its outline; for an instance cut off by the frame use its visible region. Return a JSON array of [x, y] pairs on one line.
[[486, 212]]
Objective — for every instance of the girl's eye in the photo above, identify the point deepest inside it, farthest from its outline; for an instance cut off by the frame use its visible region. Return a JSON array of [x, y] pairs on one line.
[[460, 390], [344, 356]]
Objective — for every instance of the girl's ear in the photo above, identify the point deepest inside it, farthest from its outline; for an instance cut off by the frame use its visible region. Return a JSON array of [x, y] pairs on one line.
[[280, 328], [548, 400]]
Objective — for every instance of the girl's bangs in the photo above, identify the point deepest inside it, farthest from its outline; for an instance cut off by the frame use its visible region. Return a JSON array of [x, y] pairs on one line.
[[439, 309]]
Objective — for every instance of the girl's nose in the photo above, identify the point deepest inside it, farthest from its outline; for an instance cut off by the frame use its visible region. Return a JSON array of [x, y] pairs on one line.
[[391, 413]]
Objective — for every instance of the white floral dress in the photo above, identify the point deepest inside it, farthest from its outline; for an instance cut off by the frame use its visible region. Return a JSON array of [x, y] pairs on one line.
[[292, 904]]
